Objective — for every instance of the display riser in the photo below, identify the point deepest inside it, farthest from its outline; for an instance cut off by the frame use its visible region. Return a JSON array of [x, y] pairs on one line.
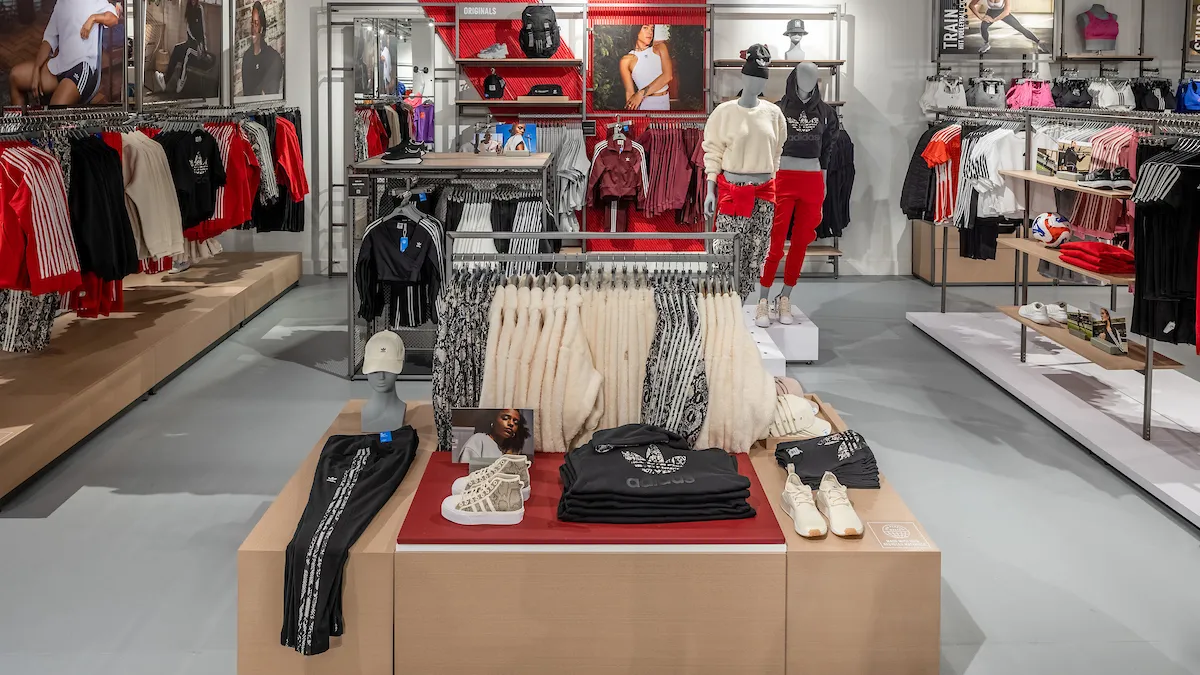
[[1101, 409], [797, 343]]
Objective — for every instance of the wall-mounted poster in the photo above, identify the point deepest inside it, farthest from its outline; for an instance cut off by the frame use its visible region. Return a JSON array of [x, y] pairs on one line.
[[366, 50], [1194, 27], [996, 27], [259, 47], [648, 67], [183, 49], [63, 52]]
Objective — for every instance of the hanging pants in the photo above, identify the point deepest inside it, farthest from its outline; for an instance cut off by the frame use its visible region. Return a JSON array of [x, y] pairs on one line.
[[799, 196]]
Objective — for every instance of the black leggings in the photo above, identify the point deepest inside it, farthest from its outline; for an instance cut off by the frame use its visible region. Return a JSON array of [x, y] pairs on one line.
[[180, 55], [1011, 20]]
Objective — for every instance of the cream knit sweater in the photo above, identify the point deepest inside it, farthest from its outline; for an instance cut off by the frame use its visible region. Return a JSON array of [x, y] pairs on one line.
[[744, 140]]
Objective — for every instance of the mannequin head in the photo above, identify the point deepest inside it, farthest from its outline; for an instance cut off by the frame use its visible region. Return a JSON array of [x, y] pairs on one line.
[[382, 382], [796, 38], [806, 75], [752, 86]]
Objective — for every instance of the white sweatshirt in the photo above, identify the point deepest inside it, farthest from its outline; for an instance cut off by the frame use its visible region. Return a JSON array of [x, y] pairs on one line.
[[744, 140]]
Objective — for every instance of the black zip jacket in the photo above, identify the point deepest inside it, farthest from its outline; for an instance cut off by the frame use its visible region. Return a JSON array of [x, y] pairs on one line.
[[812, 125]]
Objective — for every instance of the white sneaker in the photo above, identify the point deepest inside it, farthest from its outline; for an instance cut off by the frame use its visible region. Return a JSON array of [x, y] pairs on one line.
[[160, 80], [762, 315], [496, 502], [496, 51], [798, 503], [834, 504], [517, 465], [1057, 313], [785, 310], [1035, 312]]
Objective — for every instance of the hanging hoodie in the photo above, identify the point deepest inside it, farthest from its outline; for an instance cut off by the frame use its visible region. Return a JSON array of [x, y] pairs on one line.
[[812, 125]]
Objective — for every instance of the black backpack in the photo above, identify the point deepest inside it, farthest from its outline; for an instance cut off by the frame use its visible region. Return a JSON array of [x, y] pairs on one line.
[[539, 32]]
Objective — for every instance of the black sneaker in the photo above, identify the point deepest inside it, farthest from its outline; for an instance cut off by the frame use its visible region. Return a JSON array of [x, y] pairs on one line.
[[1098, 178], [1121, 180], [402, 154]]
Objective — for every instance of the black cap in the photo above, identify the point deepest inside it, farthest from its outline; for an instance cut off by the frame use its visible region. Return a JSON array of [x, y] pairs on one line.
[[758, 58]]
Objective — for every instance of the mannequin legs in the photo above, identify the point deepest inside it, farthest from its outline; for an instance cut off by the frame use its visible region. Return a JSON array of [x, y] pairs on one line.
[[799, 196]]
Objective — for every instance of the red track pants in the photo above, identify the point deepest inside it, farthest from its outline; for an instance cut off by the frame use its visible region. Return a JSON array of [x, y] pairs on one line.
[[799, 196]]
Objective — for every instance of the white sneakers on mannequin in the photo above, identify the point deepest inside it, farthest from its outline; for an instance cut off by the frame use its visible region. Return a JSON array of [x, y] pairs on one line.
[[762, 315], [784, 304]]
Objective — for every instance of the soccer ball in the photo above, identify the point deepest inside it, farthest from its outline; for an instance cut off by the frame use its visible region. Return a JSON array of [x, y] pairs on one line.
[[1051, 229]]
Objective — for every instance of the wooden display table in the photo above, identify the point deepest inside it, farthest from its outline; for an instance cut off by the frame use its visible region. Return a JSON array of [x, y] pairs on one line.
[[94, 369], [868, 606], [366, 646]]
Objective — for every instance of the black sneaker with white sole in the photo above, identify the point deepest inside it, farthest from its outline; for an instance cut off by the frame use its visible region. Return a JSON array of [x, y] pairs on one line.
[[1121, 180], [1098, 178], [402, 154]]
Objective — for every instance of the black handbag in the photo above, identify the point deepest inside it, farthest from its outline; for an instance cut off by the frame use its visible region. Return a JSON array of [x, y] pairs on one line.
[[546, 90]]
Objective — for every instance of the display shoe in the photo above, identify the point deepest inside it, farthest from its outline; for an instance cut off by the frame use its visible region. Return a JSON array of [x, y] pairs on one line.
[[402, 154], [784, 305], [496, 51], [161, 81], [762, 315], [799, 505], [1057, 312], [834, 504], [496, 502], [1100, 178], [1035, 312], [1121, 179], [517, 465]]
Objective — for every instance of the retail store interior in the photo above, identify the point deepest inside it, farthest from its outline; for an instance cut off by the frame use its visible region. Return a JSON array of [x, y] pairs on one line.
[[599, 337]]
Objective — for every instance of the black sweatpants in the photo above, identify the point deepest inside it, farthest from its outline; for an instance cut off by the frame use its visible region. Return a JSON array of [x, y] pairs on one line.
[[355, 477]]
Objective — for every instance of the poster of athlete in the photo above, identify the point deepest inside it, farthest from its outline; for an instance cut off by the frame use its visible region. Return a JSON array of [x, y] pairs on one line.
[[258, 38], [1194, 27], [62, 52], [995, 27], [183, 49]]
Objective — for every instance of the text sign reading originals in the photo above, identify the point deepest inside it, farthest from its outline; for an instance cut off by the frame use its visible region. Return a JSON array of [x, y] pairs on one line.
[[1194, 28], [497, 11]]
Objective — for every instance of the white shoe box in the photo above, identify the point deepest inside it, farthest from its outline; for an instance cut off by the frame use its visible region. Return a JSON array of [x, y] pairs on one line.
[[797, 342]]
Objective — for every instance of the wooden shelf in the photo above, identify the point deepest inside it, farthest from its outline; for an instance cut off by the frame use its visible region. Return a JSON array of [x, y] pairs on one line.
[[1134, 360], [1039, 251], [524, 63], [835, 104], [822, 252], [1105, 57], [505, 103], [820, 63], [1035, 177]]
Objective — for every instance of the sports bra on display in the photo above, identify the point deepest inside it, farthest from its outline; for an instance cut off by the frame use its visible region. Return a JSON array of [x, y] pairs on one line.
[[1101, 29], [995, 4], [1072, 95], [987, 94]]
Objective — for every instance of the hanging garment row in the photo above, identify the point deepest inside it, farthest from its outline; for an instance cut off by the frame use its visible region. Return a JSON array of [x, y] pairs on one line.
[[379, 126], [88, 206], [1150, 93], [606, 350]]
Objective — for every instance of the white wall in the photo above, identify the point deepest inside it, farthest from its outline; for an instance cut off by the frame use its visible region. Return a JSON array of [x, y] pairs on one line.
[[886, 44]]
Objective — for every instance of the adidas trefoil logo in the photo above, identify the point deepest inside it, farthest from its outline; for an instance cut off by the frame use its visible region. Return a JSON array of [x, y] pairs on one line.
[[848, 444], [199, 165], [654, 463]]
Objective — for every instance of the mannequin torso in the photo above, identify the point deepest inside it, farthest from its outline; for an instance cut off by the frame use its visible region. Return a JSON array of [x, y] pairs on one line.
[[806, 86], [1098, 29], [752, 87]]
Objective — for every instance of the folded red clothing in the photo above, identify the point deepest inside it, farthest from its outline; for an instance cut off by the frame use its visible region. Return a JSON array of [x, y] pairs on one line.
[[1098, 248], [1100, 269]]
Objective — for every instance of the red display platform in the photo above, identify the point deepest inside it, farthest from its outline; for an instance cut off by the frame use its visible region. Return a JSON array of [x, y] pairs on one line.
[[425, 524]]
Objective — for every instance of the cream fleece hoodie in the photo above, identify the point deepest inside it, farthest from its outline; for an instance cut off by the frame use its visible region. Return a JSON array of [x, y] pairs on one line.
[[550, 412], [706, 334], [487, 397], [576, 382], [529, 342], [508, 327], [744, 140], [539, 364]]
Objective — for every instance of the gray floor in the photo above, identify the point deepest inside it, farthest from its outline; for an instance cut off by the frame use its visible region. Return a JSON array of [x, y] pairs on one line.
[[121, 559]]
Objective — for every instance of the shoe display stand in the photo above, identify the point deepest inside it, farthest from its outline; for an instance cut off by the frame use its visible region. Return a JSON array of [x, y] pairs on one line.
[[773, 359], [94, 369], [797, 343]]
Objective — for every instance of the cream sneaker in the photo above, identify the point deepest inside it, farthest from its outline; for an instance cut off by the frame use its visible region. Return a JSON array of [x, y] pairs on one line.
[[834, 504], [785, 310], [496, 502], [762, 315], [1035, 312], [517, 465], [798, 503]]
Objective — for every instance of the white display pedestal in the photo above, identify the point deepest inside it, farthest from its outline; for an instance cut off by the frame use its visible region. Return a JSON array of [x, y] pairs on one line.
[[1101, 409], [798, 342], [773, 359]]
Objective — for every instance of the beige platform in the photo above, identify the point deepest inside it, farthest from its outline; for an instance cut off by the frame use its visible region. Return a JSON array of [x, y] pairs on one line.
[[95, 368], [366, 646]]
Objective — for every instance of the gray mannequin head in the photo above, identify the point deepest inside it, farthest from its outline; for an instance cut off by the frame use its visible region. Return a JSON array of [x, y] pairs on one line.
[[382, 382], [806, 75], [382, 364], [753, 86]]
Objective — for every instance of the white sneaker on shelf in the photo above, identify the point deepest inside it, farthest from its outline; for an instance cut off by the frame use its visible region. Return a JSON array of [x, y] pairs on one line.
[[160, 80], [784, 305], [496, 51], [1035, 312], [496, 502], [834, 504], [762, 315], [516, 465], [799, 505], [1057, 313]]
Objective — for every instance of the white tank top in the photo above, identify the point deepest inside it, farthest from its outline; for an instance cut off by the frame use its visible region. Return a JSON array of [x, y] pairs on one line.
[[995, 4], [648, 67]]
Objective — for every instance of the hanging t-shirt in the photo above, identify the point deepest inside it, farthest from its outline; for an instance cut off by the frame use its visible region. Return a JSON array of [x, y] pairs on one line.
[[943, 155], [197, 170]]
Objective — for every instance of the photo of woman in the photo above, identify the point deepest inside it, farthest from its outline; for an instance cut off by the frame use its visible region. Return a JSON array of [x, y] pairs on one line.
[[647, 71], [517, 140], [506, 434], [989, 12], [262, 64], [66, 67], [194, 47]]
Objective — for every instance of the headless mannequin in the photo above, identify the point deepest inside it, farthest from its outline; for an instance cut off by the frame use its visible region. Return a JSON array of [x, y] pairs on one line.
[[383, 411], [1097, 10], [807, 77], [752, 88], [795, 52]]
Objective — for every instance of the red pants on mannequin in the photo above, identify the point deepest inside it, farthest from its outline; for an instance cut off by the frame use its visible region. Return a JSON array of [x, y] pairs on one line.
[[799, 196]]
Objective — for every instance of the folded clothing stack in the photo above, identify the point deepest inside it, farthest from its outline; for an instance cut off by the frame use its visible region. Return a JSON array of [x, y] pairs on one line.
[[846, 455], [1099, 257], [645, 474]]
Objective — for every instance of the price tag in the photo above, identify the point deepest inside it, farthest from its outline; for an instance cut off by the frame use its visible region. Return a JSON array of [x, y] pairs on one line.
[[403, 244], [358, 186], [385, 437]]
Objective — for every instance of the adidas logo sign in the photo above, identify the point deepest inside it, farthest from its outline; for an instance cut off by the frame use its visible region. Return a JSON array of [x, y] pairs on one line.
[[199, 165], [654, 463]]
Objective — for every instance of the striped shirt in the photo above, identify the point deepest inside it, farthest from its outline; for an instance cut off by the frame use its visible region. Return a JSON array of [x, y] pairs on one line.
[[37, 247]]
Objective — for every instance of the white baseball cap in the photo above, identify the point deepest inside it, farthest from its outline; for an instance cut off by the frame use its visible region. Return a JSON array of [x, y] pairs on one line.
[[385, 354]]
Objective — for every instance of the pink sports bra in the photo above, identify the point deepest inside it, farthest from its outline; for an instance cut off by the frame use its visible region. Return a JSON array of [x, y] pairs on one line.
[[1100, 29]]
